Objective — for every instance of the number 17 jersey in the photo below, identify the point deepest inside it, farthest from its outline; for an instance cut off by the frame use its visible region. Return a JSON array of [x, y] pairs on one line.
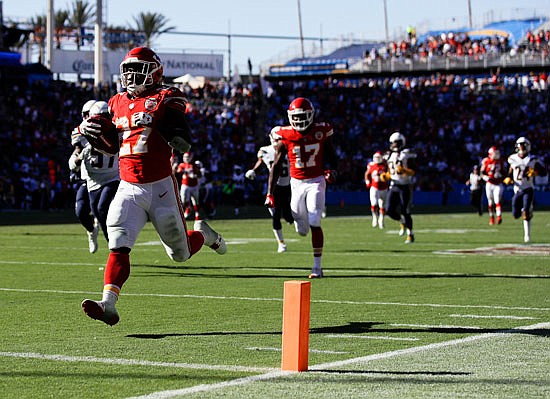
[[305, 149]]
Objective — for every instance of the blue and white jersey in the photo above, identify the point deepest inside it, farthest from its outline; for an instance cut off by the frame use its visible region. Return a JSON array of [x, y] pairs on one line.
[[97, 168], [397, 161], [519, 167], [267, 155]]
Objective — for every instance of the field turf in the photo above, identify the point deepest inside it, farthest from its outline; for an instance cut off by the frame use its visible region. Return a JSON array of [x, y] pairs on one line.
[[462, 312]]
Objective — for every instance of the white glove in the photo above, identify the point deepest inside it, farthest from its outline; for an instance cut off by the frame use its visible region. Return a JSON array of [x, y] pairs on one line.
[[250, 174], [90, 129]]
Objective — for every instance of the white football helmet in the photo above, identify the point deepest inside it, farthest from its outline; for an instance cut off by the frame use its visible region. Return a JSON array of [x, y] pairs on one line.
[[99, 108], [397, 141], [493, 153], [377, 157], [86, 108], [523, 146]]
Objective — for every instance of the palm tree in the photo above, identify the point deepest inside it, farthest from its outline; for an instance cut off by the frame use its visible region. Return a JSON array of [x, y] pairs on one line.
[[152, 25], [81, 14], [38, 24], [60, 26]]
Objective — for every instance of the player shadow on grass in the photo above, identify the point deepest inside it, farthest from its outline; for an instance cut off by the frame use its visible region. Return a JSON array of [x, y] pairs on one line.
[[359, 328], [426, 372], [293, 273], [367, 327]]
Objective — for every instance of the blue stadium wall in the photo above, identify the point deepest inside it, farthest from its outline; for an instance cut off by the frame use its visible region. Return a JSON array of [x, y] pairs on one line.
[[459, 197]]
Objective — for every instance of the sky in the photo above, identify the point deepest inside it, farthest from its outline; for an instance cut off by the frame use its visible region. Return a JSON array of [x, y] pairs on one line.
[[337, 21]]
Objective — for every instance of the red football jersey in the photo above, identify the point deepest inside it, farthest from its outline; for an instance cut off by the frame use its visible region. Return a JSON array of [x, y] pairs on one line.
[[494, 169], [305, 149], [190, 174], [144, 155], [373, 175]]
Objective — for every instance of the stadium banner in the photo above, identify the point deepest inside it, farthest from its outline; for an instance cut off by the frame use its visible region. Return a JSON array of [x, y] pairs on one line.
[[82, 62]]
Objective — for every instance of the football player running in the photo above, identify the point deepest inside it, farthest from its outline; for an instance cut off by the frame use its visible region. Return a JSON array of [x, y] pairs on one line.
[[523, 168], [378, 189], [401, 165], [150, 119], [305, 144], [99, 170], [190, 178], [281, 192], [492, 172], [83, 208]]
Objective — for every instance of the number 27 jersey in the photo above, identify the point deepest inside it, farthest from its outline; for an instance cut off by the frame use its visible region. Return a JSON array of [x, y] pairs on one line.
[[305, 149]]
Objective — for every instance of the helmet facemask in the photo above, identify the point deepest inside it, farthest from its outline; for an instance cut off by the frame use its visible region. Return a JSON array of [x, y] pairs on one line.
[[523, 146], [494, 154], [397, 142], [138, 75], [300, 119]]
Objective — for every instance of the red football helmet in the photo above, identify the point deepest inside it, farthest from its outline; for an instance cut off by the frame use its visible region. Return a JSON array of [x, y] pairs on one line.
[[377, 157], [300, 113], [494, 153], [140, 70]]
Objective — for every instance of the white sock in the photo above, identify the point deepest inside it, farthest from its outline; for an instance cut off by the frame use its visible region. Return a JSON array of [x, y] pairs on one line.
[[316, 263], [279, 235]]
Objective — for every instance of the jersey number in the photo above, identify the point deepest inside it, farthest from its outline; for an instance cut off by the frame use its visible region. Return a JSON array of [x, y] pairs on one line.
[[305, 156], [140, 145]]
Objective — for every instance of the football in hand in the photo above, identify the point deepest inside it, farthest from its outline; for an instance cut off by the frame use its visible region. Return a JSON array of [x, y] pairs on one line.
[[107, 141]]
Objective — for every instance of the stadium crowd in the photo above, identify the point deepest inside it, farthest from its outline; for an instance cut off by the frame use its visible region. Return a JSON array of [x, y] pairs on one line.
[[449, 120], [460, 44]]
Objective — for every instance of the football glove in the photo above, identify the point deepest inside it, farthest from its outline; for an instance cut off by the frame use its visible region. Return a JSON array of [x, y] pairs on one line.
[[330, 176], [90, 128], [250, 174], [530, 172], [404, 171], [269, 201], [384, 177], [507, 181]]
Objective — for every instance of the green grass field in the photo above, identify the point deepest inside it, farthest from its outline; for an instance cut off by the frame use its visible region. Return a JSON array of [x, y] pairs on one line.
[[389, 320]]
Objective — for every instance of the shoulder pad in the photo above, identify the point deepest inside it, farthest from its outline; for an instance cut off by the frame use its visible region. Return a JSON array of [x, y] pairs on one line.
[[275, 132]]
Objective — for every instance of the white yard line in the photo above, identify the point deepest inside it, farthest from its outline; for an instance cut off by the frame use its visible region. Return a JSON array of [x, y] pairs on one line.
[[331, 365], [135, 362], [310, 351], [380, 337], [476, 316], [238, 298]]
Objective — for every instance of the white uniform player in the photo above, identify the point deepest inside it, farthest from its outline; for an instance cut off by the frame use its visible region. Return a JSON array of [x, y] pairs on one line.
[[401, 175], [523, 169], [282, 193]]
